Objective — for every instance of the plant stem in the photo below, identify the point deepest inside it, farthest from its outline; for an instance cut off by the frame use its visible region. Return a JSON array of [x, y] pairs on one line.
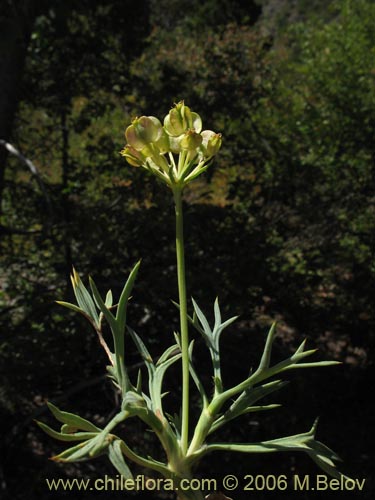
[[180, 252]]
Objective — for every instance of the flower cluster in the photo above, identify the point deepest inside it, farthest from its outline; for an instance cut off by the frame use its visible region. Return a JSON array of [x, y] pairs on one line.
[[152, 145]]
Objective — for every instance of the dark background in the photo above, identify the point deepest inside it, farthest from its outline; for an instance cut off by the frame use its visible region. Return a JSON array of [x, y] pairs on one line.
[[281, 227]]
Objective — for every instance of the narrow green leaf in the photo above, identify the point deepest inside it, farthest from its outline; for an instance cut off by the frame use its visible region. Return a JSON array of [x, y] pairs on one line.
[[245, 401], [109, 299], [314, 427], [83, 297], [167, 353], [254, 394], [66, 454], [195, 377], [322, 455], [178, 339], [156, 381], [202, 319], [85, 451], [313, 364], [194, 321], [117, 459], [73, 307], [123, 302], [217, 314], [228, 322], [78, 436], [71, 419], [266, 357], [296, 357], [104, 309], [139, 381], [142, 349], [289, 363], [301, 348]]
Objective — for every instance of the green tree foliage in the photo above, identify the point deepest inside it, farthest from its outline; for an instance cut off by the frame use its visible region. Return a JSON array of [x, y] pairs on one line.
[[317, 116]]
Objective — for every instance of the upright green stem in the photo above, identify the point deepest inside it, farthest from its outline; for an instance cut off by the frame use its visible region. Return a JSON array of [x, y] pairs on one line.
[[180, 252]]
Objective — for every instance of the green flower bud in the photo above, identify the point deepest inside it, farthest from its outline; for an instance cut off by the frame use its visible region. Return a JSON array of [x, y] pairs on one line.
[[191, 140], [180, 119], [133, 157], [143, 131], [211, 143]]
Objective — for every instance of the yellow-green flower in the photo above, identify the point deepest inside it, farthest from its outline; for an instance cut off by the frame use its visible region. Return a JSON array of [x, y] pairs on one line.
[[191, 140], [143, 131], [180, 119], [211, 143], [177, 152], [133, 157]]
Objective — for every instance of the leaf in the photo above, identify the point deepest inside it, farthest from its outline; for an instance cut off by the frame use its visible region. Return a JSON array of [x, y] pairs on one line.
[[167, 353], [266, 357], [265, 371], [323, 456], [156, 381], [142, 349], [123, 302], [85, 451], [202, 318], [83, 297], [73, 307], [314, 364], [252, 395], [212, 338], [71, 419], [155, 372], [195, 377], [65, 455], [117, 459], [217, 314], [243, 403], [104, 309], [78, 436], [121, 375], [139, 382], [108, 299]]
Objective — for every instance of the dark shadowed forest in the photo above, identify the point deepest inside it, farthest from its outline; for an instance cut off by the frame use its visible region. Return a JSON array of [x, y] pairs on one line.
[[280, 227]]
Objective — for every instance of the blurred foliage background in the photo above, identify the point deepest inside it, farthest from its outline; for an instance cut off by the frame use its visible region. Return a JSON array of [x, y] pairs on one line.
[[281, 227]]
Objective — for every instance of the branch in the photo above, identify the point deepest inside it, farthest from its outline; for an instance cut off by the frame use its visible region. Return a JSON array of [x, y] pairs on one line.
[[30, 165]]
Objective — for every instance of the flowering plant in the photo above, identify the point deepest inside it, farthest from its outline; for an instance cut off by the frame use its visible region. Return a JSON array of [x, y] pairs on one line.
[[176, 153]]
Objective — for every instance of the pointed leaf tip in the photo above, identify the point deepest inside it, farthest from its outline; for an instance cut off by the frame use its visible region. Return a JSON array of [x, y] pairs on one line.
[[314, 426], [266, 357]]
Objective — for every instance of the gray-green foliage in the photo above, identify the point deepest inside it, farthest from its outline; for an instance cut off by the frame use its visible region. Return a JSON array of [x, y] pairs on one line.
[[222, 406]]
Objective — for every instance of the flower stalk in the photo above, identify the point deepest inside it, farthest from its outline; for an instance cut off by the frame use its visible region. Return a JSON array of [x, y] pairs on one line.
[[181, 275]]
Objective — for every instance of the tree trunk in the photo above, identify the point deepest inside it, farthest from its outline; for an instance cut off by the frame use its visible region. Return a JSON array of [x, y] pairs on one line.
[[16, 22]]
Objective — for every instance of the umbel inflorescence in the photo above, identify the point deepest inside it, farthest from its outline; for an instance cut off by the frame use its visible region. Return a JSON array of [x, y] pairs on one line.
[[153, 146]]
